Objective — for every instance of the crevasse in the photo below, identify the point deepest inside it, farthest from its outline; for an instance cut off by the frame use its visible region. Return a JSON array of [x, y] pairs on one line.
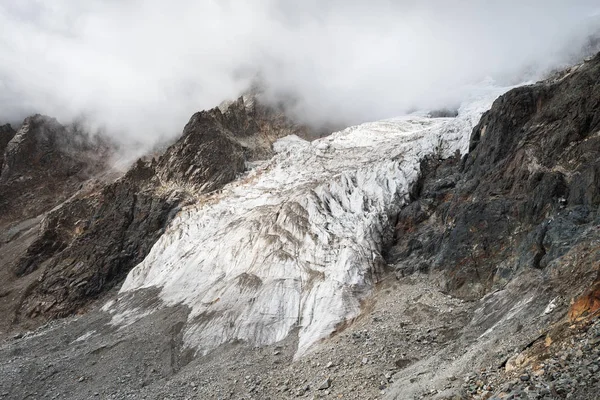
[[295, 244]]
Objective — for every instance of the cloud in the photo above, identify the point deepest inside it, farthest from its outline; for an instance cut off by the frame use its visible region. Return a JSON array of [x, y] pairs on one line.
[[140, 68]]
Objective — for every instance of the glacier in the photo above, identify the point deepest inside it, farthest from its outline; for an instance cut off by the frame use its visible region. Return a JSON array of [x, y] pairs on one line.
[[294, 245]]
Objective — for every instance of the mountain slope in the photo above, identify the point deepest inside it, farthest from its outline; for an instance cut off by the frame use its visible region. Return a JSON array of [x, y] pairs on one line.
[[515, 221], [88, 229], [378, 262]]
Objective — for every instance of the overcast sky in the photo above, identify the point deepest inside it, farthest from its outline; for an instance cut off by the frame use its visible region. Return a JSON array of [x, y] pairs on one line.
[[140, 68]]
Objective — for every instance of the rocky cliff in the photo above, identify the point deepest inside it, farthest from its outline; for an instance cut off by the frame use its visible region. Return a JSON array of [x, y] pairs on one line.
[[43, 163], [513, 225], [86, 233], [525, 195]]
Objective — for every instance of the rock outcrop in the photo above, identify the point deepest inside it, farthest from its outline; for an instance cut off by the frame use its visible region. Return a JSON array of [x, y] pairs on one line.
[[98, 230], [44, 163], [527, 192], [6, 134], [513, 227]]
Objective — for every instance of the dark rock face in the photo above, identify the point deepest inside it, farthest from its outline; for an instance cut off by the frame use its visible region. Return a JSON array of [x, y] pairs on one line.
[[525, 196], [87, 244], [513, 227], [207, 156], [6, 134], [216, 144], [43, 164], [44, 147], [90, 243]]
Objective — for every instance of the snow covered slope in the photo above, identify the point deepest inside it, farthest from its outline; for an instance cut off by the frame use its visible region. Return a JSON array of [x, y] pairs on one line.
[[295, 243]]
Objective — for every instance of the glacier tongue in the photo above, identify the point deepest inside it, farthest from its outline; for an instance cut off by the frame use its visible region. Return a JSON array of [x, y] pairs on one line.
[[295, 243]]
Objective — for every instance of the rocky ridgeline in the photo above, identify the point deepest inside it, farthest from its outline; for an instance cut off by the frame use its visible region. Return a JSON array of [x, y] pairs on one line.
[[216, 144], [525, 194], [43, 164], [90, 232]]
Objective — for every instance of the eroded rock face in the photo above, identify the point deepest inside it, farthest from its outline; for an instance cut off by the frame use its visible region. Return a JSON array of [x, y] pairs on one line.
[[6, 134], [88, 243], [512, 226], [43, 164], [216, 144], [587, 305], [523, 196], [206, 157]]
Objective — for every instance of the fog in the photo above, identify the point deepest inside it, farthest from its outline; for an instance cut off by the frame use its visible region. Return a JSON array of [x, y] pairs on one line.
[[138, 69]]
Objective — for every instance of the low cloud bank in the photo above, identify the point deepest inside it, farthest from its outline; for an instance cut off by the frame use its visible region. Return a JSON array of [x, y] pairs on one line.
[[138, 69]]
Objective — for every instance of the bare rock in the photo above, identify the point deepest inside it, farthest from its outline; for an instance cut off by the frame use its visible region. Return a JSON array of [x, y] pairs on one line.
[[6, 134]]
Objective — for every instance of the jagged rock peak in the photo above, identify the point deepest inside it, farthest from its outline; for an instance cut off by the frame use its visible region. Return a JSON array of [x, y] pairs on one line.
[[217, 143], [43, 144]]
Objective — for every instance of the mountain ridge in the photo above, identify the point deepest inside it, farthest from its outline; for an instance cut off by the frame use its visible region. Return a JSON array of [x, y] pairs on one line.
[[88, 237], [488, 285]]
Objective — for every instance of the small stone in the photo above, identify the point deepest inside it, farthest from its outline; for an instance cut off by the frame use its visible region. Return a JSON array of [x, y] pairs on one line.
[[524, 377], [402, 363], [326, 384]]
